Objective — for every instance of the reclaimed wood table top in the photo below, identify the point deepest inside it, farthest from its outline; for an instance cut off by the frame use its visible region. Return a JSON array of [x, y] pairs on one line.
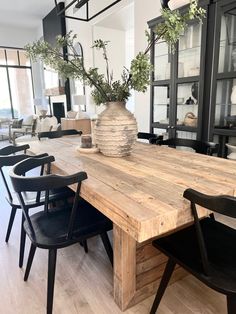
[[142, 193]]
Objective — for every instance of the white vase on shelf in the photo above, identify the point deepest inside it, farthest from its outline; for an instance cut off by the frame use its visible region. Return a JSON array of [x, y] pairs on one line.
[[233, 95]]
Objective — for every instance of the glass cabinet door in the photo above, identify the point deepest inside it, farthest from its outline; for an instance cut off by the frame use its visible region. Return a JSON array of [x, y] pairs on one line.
[[161, 61], [161, 108], [225, 109], [227, 49], [189, 51], [187, 104], [225, 95]]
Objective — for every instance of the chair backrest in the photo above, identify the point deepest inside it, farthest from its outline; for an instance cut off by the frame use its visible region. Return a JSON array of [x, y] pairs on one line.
[[12, 149], [206, 148], [49, 134], [57, 134], [223, 204], [8, 160], [151, 137], [45, 183], [71, 132]]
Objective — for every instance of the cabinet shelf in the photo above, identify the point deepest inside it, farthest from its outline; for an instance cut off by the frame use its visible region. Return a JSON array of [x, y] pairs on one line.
[[186, 128], [189, 49], [225, 104]]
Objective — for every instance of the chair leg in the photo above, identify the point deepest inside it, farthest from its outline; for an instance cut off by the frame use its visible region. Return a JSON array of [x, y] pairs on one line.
[[231, 304], [84, 244], [22, 242], [11, 220], [107, 245], [52, 257], [163, 284], [30, 260]]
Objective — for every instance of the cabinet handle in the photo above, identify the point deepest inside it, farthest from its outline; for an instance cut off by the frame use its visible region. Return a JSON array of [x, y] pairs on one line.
[[168, 127], [172, 127]]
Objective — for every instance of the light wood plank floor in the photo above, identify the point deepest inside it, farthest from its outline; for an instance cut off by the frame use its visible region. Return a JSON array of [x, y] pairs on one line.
[[84, 282]]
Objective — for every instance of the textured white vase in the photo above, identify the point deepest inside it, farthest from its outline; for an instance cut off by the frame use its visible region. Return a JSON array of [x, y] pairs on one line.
[[116, 130], [233, 95]]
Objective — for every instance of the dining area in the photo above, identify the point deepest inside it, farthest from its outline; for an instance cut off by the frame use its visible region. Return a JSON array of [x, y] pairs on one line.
[[142, 200], [120, 195]]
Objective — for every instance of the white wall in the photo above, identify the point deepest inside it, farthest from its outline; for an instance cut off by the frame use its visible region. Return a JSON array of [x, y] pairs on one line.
[[16, 36], [115, 50], [143, 12], [85, 33], [129, 55]]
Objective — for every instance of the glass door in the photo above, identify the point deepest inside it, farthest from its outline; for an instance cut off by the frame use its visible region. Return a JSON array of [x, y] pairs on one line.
[[223, 114], [161, 111], [188, 72]]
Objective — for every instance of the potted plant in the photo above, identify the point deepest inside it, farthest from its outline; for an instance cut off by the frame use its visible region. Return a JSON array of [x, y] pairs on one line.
[[116, 127]]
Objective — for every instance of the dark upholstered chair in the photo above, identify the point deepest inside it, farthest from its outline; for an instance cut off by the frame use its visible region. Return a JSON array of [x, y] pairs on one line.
[[207, 249], [7, 159], [151, 137], [206, 148], [61, 227], [57, 134]]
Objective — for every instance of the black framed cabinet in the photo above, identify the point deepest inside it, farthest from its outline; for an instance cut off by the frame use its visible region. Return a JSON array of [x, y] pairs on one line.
[[222, 127], [192, 89]]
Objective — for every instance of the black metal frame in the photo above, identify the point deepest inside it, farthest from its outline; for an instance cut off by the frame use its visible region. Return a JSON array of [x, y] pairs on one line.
[[7, 67], [221, 7], [174, 81], [86, 3], [208, 78]]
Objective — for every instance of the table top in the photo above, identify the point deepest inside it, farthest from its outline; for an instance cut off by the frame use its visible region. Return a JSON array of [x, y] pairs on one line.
[[142, 193]]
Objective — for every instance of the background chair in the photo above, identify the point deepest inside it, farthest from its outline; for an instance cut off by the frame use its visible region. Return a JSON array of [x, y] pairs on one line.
[[205, 249], [27, 125], [62, 226], [206, 148], [151, 137], [57, 134], [8, 160]]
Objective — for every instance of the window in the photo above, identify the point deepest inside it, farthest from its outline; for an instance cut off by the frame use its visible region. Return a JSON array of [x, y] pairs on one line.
[[16, 98]]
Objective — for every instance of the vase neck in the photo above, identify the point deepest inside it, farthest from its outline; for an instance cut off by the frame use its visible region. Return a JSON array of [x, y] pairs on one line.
[[115, 104]]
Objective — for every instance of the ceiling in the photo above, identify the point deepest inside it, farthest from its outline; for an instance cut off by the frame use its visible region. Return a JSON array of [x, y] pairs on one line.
[[24, 13], [29, 13], [122, 19]]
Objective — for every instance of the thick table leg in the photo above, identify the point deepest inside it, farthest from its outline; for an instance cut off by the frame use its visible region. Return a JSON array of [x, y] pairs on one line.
[[124, 267], [138, 269]]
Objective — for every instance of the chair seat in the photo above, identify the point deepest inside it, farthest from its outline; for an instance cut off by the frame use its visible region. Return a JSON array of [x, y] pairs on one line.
[[51, 228], [54, 195], [220, 241]]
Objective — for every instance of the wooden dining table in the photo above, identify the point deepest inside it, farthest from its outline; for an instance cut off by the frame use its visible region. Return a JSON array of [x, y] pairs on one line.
[[143, 195]]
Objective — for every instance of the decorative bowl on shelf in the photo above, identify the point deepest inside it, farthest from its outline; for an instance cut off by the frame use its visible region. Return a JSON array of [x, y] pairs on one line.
[[231, 151], [190, 120], [231, 121]]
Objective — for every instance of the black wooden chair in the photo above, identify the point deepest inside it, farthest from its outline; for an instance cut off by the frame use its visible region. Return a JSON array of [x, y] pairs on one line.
[[61, 227], [206, 148], [207, 249], [151, 137], [57, 134], [7, 159]]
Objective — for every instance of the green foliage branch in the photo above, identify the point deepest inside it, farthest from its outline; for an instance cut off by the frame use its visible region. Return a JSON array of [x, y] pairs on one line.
[[105, 88]]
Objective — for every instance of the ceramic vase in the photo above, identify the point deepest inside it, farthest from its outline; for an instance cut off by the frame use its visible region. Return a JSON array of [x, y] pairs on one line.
[[115, 130]]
